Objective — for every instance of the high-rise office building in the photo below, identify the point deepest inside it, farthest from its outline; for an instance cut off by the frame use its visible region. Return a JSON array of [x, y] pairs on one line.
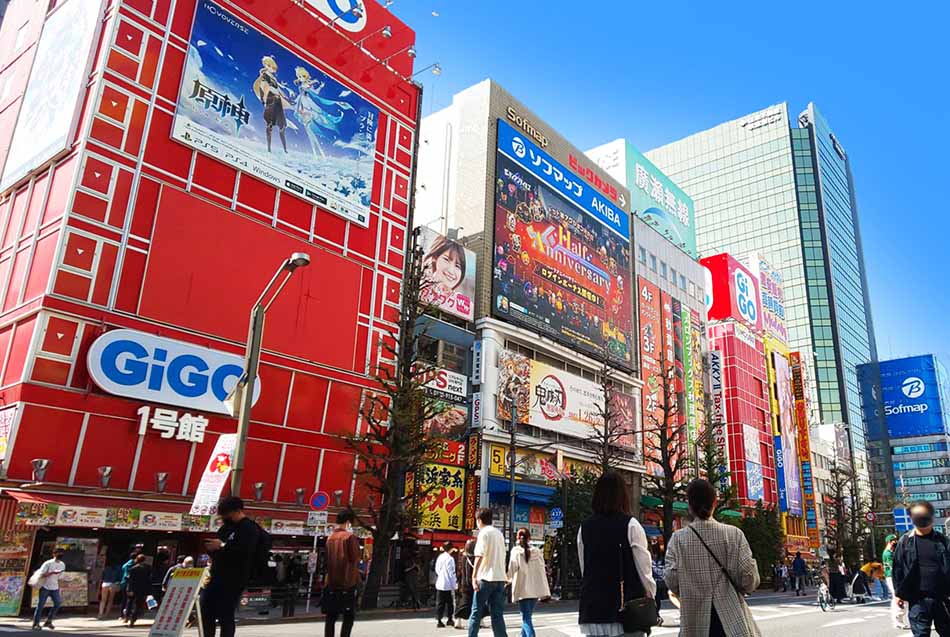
[[762, 183]]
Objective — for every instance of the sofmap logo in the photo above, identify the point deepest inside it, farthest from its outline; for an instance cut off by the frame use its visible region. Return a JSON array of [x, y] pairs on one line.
[[350, 15], [155, 369], [745, 297], [913, 387], [518, 147]]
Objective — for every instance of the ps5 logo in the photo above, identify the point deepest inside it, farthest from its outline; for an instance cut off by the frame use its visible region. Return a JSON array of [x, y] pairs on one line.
[[349, 15], [913, 387]]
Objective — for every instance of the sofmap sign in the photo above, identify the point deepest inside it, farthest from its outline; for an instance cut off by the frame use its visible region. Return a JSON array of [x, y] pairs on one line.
[[910, 394], [156, 369], [349, 15]]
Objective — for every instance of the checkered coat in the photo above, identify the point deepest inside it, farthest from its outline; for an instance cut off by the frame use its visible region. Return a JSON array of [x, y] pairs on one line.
[[693, 575]]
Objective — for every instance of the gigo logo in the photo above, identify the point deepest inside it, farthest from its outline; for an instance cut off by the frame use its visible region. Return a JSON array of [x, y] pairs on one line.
[[350, 15], [913, 387], [517, 145], [151, 368], [745, 297]]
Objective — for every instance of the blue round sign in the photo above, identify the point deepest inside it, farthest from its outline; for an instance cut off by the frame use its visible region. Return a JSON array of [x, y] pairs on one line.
[[319, 501], [557, 514]]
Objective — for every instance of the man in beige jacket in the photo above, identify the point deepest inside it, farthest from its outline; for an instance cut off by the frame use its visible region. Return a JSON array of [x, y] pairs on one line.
[[714, 563]]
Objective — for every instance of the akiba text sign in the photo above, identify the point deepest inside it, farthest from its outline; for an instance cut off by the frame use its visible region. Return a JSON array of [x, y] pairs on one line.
[[162, 370]]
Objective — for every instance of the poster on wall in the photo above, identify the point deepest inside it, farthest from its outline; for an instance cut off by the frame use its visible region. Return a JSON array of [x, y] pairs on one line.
[[448, 275], [699, 374], [788, 434], [49, 112], [561, 260], [7, 418], [256, 106], [15, 549], [553, 399]]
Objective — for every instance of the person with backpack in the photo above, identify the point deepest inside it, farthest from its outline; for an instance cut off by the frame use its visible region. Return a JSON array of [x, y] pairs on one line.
[[921, 573], [240, 550], [137, 591], [343, 576]]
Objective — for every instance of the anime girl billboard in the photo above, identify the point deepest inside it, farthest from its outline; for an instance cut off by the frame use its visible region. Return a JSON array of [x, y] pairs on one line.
[[256, 106]]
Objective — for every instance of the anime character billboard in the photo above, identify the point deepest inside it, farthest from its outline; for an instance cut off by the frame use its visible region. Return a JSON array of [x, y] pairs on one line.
[[448, 274], [561, 262], [256, 106]]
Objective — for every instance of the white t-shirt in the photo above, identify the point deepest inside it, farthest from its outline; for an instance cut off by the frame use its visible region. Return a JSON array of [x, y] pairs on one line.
[[490, 546], [445, 573], [49, 574]]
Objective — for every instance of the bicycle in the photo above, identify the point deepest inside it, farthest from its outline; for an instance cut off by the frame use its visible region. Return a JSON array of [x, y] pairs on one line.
[[825, 600]]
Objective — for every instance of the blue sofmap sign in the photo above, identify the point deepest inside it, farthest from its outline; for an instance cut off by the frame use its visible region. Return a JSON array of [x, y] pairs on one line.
[[910, 393], [562, 180]]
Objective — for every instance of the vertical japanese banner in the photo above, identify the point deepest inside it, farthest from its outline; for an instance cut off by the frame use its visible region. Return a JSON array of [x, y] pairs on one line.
[[471, 500], [672, 364], [651, 344], [214, 476], [698, 389], [719, 414], [804, 450]]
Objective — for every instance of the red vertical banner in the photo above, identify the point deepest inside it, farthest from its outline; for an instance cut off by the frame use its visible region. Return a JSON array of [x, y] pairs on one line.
[[651, 356], [672, 365]]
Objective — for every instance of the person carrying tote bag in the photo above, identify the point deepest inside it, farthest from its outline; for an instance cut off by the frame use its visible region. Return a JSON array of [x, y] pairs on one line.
[[709, 566]]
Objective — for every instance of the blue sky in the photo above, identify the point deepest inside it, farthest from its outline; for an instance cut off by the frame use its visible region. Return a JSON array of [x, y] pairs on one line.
[[657, 71]]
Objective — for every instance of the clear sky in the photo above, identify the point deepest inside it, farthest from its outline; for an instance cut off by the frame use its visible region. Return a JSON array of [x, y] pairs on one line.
[[654, 72]]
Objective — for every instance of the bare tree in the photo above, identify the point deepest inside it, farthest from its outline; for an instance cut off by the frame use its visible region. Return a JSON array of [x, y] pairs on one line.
[[392, 442], [845, 532], [665, 449], [713, 465], [608, 440]]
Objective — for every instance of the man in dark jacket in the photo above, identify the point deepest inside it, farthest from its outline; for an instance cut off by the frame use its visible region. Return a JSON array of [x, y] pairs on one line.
[[232, 557], [799, 571], [922, 573]]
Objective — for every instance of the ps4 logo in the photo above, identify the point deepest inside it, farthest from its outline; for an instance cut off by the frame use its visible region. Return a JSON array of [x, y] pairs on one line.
[[155, 369]]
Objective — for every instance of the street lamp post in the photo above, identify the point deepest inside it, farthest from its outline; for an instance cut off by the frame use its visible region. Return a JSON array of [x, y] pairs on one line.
[[243, 393], [512, 459]]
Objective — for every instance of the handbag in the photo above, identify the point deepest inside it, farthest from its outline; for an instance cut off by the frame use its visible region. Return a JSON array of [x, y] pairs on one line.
[[725, 572], [636, 615]]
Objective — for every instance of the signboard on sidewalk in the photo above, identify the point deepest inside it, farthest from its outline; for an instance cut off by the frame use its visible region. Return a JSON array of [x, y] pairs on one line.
[[176, 605], [215, 476]]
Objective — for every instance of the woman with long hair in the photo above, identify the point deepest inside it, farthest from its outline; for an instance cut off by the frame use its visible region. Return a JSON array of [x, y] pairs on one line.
[[529, 580], [615, 563], [463, 609]]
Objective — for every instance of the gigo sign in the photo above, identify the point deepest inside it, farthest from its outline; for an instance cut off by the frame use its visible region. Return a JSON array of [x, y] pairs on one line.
[[155, 369]]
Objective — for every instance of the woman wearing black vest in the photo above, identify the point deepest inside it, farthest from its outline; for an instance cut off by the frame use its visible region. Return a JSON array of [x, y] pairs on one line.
[[611, 546]]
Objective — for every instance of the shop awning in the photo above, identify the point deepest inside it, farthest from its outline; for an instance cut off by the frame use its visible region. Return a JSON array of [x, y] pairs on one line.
[[729, 513], [653, 502], [525, 492]]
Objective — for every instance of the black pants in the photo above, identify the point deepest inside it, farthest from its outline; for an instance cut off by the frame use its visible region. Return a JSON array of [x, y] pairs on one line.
[[926, 612], [715, 624], [445, 606], [218, 603], [134, 606], [336, 604]]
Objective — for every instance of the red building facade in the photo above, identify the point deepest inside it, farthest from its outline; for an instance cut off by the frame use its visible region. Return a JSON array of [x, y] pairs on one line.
[[130, 228]]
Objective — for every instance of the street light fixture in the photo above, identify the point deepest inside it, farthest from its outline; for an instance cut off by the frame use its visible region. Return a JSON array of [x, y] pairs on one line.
[[242, 396]]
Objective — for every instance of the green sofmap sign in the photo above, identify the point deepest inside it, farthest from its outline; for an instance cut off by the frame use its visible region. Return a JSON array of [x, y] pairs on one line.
[[660, 202]]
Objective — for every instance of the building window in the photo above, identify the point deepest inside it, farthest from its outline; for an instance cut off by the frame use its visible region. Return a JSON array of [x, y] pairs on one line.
[[673, 276], [653, 262], [663, 269], [643, 255], [682, 282], [21, 34]]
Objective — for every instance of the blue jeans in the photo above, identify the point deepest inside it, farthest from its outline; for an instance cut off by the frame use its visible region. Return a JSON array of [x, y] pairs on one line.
[[489, 599], [527, 609], [45, 594]]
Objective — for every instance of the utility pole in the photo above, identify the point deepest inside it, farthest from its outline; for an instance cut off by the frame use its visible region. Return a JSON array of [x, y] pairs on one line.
[[512, 459]]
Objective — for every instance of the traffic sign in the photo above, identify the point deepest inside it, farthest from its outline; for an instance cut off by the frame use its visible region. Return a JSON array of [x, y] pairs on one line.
[[557, 514], [319, 501], [317, 518], [870, 517], [556, 524]]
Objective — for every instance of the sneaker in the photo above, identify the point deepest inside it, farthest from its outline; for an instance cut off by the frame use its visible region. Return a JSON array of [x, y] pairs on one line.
[[49, 625], [37, 627], [450, 623], [440, 624]]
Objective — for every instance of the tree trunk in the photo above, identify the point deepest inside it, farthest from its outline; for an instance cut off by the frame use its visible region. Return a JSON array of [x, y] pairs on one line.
[[382, 546]]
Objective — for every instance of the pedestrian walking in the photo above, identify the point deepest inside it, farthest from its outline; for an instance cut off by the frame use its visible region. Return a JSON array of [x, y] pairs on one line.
[[46, 578], [445, 584], [410, 578], [124, 579], [108, 590], [137, 589], [710, 567], [898, 611], [171, 571], [529, 580], [658, 569], [799, 571], [488, 577], [234, 556], [615, 564], [463, 609], [921, 573], [343, 576], [785, 576]]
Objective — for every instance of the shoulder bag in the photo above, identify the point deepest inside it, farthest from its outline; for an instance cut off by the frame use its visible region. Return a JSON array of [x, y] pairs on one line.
[[640, 614], [724, 571]]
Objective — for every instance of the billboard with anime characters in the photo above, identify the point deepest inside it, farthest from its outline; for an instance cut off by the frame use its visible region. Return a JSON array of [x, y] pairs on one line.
[[254, 105], [562, 253]]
